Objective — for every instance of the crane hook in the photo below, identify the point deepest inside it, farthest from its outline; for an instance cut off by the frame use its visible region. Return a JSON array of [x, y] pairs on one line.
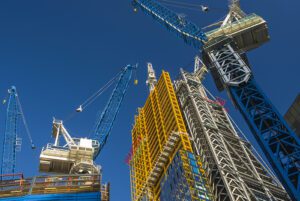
[[204, 8], [79, 109], [33, 146]]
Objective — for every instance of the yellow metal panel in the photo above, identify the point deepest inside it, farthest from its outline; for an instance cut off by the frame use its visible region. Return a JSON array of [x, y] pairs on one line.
[[155, 122]]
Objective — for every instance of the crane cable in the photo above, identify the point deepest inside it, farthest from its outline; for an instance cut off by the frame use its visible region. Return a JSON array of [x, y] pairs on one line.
[[25, 123], [93, 97], [190, 6], [179, 6], [181, 3]]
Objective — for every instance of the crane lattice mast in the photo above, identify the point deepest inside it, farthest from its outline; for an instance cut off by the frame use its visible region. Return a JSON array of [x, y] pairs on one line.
[[11, 142], [105, 123], [224, 54]]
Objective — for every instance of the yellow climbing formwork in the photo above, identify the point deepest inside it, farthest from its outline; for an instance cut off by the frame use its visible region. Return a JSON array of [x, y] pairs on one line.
[[158, 134]]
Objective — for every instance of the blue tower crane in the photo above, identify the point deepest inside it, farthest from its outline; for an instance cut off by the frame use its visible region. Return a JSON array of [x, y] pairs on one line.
[[10, 142], [224, 53], [77, 155]]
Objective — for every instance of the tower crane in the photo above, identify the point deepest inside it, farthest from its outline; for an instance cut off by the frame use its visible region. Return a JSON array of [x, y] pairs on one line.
[[77, 155], [223, 50], [12, 142]]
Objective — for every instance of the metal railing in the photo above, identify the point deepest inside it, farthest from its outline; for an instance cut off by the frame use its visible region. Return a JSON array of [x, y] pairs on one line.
[[16, 185]]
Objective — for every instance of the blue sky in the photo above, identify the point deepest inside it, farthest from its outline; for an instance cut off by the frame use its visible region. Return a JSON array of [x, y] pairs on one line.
[[58, 52]]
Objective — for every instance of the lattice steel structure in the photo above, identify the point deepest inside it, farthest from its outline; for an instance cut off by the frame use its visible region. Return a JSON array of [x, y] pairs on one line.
[[234, 172], [159, 135], [11, 142], [224, 51]]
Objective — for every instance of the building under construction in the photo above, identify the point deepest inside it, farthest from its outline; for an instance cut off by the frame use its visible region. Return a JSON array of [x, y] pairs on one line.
[[234, 172], [176, 130], [163, 165]]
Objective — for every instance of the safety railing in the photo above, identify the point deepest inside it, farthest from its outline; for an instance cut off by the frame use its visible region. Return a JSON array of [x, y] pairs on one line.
[[16, 185]]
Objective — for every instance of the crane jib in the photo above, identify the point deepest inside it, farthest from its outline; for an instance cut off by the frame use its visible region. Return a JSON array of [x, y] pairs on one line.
[[188, 31], [105, 123]]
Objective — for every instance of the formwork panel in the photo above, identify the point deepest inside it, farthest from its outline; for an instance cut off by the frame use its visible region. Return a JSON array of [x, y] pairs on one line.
[[160, 128]]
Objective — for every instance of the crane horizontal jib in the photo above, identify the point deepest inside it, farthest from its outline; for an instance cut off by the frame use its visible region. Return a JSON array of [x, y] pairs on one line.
[[176, 23]]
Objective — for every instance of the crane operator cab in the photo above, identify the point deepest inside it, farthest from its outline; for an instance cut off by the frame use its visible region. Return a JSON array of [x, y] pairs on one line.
[[76, 156], [249, 31]]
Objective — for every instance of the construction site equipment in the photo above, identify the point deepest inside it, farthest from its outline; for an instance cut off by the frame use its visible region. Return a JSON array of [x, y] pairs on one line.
[[224, 55], [56, 187], [77, 155], [160, 145], [12, 142], [233, 170]]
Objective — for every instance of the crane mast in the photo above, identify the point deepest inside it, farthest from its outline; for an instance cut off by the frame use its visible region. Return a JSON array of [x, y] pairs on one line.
[[224, 54], [11, 142], [151, 81]]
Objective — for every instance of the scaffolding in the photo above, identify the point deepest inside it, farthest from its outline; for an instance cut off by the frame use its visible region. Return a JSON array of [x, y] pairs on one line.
[[159, 134], [59, 187], [234, 173]]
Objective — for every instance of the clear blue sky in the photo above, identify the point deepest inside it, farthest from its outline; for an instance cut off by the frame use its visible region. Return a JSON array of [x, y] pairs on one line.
[[59, 52]]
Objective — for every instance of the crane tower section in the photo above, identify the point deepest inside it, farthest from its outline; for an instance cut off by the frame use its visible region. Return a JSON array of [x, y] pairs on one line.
[[11, 142]]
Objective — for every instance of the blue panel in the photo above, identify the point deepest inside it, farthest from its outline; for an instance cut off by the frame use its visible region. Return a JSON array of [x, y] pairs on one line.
[[58, 197], [278, 142]]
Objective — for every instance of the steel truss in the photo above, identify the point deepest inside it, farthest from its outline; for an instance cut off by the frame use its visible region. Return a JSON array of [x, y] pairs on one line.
[[232, 169], [278, 142]]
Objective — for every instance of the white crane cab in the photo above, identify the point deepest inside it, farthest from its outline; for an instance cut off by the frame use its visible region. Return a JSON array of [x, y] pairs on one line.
[[76, 156]]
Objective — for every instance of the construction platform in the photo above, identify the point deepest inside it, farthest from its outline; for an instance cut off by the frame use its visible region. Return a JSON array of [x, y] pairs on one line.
[[249, 33], [60, 187]]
